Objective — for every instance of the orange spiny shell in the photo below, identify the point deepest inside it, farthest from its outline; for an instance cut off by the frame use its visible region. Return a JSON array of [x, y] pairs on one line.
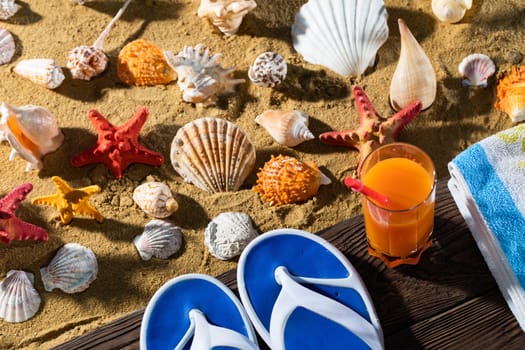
[[285, 180], [142, 63], [511, 94]]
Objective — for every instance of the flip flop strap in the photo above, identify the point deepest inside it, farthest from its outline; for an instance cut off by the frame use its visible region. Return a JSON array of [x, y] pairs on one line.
[[294, 295], [207, 336]]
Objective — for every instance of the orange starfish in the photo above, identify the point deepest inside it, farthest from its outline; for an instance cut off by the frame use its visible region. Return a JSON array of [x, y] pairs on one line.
[[70, 201]]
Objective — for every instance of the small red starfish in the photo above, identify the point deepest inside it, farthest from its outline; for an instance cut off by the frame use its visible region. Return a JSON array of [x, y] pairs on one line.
[[118, 147], [373, 129], [11, 227]]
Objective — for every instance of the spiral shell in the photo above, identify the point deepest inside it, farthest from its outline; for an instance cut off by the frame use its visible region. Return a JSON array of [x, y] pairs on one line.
[[289, 128], [86, 62], [8, 8], [268, 70], [156, 199], [285, 180], [450, 11], [226, 15], [19, 300], [476, 69], [72, 269], [42, 71], [160, 239], [7, 46], [511, 94], [213, 154]]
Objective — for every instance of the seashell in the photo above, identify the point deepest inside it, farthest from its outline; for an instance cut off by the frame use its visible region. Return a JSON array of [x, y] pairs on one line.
[[142, 63], [72, 270], [160, 239], [42, 71], [343, 35], [450, 11], [32, 132], [228, 234], [155, 199], [8, 8], [511, 94], [226, 15], [201, 78], [213, 154], [285, 180], [289, 128], [19, 300], [268, 70], [476, 69], [414, 78], [7, 46], [86, 62]]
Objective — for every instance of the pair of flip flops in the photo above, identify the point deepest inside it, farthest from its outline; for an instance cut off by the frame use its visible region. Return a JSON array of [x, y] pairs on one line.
[[298, 291]]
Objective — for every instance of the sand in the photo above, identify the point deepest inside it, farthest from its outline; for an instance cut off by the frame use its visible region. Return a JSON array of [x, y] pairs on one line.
[[458, 118]]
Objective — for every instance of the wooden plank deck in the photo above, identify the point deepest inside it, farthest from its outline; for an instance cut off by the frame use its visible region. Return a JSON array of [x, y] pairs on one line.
[[448, 301]]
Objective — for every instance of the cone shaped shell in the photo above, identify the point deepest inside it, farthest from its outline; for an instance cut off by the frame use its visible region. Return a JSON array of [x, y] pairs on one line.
[[476, 69], [511, 94], [156, 199], [160, 239], [414, 78], [42, 71], [450, 11], [86, 62], [285, 180], [289, 128], [19, 300], [7, 46], [213, 154]]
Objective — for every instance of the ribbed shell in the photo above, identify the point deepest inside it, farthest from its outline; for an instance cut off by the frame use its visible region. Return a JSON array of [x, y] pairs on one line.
[[476, 69], [285, 180], [289, 128], [42, 71], [160, 239], [228, 234], [142, 63], [7, 46], [213, 154], [19, 300], [268, 70], [226, 15], [343, 35], [72, 270], [86, 62], [511, 94], [450, 11], [8, 8], [156, 199]]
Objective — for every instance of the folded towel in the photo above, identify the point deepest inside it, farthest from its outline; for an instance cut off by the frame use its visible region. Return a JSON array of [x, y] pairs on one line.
[[488, 185]]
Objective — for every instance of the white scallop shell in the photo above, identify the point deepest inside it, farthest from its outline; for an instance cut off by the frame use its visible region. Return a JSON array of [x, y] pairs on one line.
[[160, 239], [450, 11], [476, 69], [32, 132], [156, 199], [72, 270], [8, 8], [19, 300], [228, 234], [268, 70], [343, 35], [42, 71], [7, 46], [200, 78], [226, 15], [289, 128], [213, 154]]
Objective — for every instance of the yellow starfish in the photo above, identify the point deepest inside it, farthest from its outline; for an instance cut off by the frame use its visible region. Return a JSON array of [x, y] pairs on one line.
[[70, 202]]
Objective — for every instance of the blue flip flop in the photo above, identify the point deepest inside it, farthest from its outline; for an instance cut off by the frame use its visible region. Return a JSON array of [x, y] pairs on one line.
[[196, 312], [301, 293]]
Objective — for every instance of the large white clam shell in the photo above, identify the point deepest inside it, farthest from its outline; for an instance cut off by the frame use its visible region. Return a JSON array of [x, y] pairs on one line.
[[414, 78], [228, 234], [226, 15], [289, 128], [42, 71], [343, 35], [19, 300], [160, 239], [213, 154], [156, 199], [32, 132], [7, 46], [450, 11], [8, 8], [268, 70], [476, 69], [72, 269]]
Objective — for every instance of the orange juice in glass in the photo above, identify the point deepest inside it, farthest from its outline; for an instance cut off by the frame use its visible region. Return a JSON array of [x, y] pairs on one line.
[[400, 230]]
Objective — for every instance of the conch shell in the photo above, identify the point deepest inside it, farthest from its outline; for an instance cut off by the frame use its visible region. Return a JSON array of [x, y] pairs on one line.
[[289, 128], [414, 78], [31, 131], [156, 199], [511, 94], [268, 70], [42, 71], [8, 8], [285, 180], [450, 11], [226, 15]]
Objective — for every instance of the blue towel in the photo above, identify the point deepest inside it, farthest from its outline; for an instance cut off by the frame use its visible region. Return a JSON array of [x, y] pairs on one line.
[[488, 185]]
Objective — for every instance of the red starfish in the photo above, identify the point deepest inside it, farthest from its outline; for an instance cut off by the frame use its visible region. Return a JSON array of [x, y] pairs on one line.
[[11, 227], [118, 147], [373, 129]]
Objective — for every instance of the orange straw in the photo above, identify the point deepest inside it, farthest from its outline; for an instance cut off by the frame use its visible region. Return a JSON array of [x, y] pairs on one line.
[[358, 186]]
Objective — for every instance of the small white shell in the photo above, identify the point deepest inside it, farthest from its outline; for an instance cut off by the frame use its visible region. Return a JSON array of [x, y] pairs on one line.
[[8, 8], [19, 300], [287, 128], [160, 239], [72, 269], [42, 71], [450, 11], [86, 62], [7, 46], [226, 15], [228, 234], [156, 199], [268, 70], [476, 69]]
